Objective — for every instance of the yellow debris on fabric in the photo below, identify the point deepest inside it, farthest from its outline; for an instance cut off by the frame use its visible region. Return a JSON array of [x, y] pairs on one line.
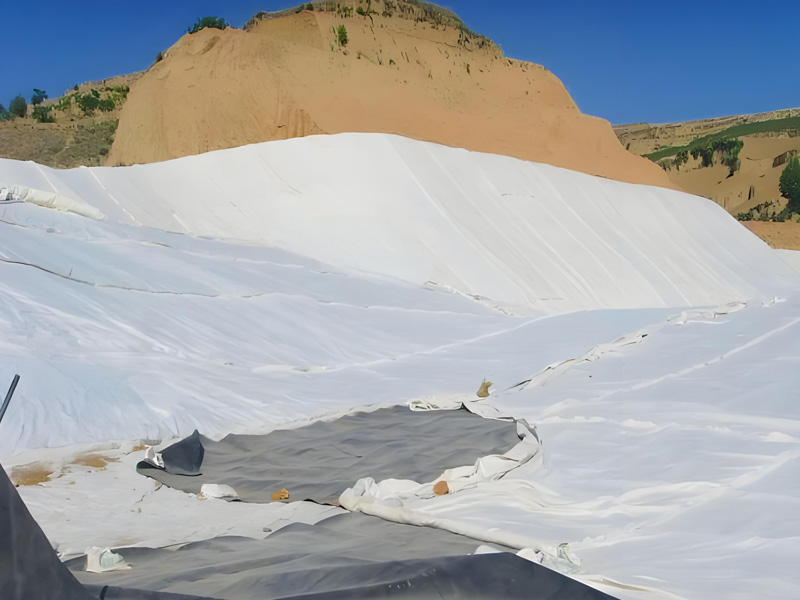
[[483, 391], [280, 495]]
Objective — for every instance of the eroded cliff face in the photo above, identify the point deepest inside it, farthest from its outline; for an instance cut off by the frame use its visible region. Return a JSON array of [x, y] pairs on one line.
[[289, 76]]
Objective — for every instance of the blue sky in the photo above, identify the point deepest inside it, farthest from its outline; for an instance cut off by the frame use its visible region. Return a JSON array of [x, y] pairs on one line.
[[624, 60]]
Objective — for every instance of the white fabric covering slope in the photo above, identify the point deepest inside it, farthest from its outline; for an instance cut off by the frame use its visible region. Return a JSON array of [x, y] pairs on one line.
[[122, 332], [671, 466], [345, 271], [791, 257], [528, 236]]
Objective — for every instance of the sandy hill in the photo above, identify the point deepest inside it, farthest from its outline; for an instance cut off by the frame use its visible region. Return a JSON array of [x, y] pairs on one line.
[[404, 70], [769, 140]]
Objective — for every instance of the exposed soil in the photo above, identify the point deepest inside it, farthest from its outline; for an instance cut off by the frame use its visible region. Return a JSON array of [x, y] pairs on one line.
[[31, 474], [289, 77], [784, 236], [95, 461]]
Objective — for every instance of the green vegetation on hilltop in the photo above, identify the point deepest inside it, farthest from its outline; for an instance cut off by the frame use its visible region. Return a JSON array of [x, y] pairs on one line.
[[736, 131], [63, 103], [38, 97], [725, 150], [729, 150], [42, 114], [416, 10], [88, 102], [94, 140], [106, 104], [105, 99], [80, 126], [421, 11], [682, 157], [18, 107], [212, 22]]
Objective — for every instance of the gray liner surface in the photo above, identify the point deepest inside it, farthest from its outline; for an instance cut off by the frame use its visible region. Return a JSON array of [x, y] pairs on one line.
[[319, 461], [348, 557]]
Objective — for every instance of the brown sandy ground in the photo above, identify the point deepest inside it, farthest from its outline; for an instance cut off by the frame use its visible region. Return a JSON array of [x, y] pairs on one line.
[[784, 236], [288, 77]]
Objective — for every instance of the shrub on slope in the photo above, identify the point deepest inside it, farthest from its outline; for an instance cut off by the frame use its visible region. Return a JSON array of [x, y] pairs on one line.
[[18, 107], [790, 185]]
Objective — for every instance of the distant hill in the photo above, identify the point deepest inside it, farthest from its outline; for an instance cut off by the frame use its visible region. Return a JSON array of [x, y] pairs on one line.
[[769, 140], [80, 136], [408, 67]]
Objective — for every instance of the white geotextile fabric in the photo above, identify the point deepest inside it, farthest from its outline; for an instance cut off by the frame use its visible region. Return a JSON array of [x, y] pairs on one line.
[[631, 339], [129, 333], [153, 458], [15, 193], [522, 236], [116, 507], [374, 269], [103, 560], [790, 257], [218, 491], [666, 467], [394, 492]]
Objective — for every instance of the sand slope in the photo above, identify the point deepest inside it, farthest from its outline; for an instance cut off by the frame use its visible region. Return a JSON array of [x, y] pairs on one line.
[[287, 77]]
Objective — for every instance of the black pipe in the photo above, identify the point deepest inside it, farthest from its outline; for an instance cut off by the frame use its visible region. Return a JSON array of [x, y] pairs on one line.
[[8, 396]]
